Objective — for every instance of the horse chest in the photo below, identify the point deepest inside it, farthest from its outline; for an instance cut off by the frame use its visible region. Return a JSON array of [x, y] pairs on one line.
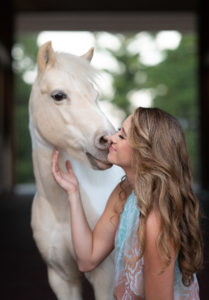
[[51, 234]]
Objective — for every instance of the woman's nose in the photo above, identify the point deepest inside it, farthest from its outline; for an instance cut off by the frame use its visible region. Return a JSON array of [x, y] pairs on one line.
[[111, 138]]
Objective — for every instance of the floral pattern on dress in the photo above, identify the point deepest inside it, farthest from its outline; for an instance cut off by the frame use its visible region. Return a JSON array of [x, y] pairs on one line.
[[129, 272]]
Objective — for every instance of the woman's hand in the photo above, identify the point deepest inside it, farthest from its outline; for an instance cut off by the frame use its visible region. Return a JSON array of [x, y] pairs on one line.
[[67, 181]]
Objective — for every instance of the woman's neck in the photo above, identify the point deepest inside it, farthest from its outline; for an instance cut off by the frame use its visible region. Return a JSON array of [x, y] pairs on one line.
[[130, 177]]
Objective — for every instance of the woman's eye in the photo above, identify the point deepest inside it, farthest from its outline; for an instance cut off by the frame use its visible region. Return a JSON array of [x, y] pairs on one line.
[[59, 96], [120, 135]]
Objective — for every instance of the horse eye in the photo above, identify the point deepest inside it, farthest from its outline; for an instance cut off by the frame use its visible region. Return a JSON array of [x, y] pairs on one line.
[[59, 96]]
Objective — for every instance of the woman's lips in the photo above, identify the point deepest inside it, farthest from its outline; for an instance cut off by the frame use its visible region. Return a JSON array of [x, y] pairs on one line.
[[111, 148]]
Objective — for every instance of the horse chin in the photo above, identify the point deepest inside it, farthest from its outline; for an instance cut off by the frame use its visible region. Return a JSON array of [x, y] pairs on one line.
[[98, 164]]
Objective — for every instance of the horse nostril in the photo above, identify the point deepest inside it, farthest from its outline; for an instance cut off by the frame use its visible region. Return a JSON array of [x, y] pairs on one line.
[[102, 142]]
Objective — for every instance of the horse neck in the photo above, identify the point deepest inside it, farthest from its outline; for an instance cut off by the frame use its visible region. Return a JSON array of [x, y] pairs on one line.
[[95, 186]]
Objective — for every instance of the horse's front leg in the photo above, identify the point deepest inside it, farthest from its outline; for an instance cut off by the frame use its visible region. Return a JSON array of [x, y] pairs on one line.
[[102, 279], [65, 289]]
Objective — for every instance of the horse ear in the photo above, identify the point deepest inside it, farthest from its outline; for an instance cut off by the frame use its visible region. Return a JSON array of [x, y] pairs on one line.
[[88, 55], [46, 56]]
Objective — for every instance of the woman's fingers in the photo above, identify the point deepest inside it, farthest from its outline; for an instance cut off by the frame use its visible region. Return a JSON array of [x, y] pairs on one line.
[[67, 181], [70, 172], [55, 166], [68, 166], [57, 172]]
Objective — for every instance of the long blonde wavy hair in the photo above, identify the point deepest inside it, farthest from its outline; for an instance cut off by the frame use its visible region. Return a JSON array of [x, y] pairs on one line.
[[164, 182]]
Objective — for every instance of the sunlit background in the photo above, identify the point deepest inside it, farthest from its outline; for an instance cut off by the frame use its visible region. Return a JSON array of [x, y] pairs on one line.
[[137, 69]]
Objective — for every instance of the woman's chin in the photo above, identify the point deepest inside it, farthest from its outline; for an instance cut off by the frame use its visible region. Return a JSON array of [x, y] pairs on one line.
[[110, 159]]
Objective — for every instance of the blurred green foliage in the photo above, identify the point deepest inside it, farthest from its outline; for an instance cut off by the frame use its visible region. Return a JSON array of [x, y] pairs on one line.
[[24, 54], [179, 73], [173, 83]]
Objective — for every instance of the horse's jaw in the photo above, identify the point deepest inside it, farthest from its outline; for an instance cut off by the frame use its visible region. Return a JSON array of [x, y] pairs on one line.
[[98, 164]]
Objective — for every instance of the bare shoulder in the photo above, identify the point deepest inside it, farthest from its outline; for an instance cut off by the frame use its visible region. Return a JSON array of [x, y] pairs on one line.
[[118, 198], [153, 224], [152, 231], [108, 222], [119, 194]]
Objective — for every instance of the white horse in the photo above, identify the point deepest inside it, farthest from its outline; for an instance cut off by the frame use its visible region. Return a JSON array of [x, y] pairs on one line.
[[64, 113]]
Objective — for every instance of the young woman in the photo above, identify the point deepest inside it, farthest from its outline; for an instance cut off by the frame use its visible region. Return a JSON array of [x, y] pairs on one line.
[[151, 218]]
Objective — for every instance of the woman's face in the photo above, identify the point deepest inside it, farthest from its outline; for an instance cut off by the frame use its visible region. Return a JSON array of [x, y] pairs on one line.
[[120, 152]]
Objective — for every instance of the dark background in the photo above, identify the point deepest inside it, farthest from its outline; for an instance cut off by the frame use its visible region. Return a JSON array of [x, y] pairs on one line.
[[23, 272]]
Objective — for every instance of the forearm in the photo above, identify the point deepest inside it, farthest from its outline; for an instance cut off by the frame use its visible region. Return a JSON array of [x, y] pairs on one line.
[[82, 235], [91, 247]]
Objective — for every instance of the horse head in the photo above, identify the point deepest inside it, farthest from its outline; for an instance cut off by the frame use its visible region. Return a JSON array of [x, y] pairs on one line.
[[63, 107]]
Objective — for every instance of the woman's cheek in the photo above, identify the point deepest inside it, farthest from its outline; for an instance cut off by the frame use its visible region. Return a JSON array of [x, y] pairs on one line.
[[110, 157]]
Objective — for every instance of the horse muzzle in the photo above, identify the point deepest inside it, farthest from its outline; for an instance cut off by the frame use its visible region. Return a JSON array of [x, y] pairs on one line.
[[98, 164]]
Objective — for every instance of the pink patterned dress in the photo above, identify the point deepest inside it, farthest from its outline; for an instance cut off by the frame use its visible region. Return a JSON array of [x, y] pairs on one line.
[[129, 281]]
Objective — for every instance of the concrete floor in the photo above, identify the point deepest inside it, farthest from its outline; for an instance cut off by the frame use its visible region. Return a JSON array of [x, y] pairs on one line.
[[23, 272]]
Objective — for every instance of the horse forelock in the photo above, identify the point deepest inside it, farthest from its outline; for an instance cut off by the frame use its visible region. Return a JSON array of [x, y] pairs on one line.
[[77, 67]]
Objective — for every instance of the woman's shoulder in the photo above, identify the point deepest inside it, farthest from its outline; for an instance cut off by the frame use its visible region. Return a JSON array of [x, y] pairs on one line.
[[153, 225], [153, 228], [119, 196], [153, 219]]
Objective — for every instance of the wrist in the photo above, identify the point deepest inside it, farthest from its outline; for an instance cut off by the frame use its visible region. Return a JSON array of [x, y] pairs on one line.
[[73, 195]]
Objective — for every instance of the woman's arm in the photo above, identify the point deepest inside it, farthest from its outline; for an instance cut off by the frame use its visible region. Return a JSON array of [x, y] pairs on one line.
[[91, 247], [157, 286]]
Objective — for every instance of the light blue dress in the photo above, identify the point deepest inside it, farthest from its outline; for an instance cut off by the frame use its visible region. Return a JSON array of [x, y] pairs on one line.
[[129, 271]]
